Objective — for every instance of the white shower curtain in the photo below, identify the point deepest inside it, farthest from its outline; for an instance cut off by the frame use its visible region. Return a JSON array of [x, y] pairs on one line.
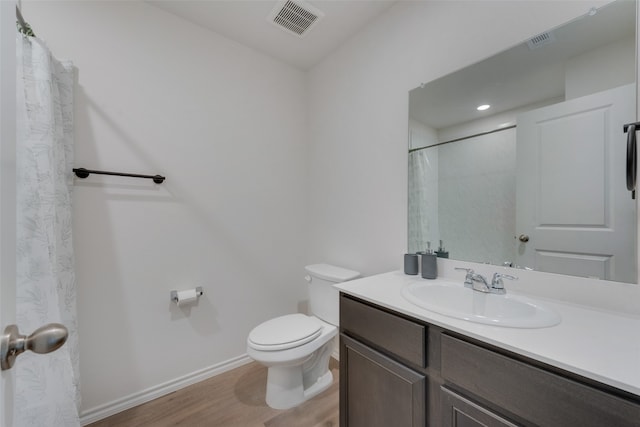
[[47, 392], [423, 200]]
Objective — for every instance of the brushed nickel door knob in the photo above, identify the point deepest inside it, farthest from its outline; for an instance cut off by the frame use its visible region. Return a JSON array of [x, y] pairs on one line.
[[43, 340], [523, 238]]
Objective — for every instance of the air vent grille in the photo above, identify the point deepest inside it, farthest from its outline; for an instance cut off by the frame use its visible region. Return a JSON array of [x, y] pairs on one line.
[[541, 40], [296, 17]]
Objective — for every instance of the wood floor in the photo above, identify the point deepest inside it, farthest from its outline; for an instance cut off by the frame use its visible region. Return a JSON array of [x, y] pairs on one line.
[[234, 398]]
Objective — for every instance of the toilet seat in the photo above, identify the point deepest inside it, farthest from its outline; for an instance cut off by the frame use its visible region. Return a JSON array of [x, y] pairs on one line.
[[285, 332]]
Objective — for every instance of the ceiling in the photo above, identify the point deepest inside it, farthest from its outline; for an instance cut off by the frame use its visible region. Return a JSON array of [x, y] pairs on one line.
[[245, 21]]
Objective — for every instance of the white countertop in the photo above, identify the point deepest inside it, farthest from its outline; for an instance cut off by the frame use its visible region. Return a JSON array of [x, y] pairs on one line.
[[597, 344]]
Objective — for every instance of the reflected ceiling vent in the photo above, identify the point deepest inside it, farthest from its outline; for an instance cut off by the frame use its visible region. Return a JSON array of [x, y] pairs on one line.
[[541, 40], [295, 17]]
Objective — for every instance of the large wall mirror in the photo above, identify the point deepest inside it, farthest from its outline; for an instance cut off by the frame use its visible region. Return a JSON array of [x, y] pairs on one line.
[[536, 178]]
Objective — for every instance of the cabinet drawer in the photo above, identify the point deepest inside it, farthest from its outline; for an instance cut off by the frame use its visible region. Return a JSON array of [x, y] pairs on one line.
[[396, 335], [531, 393]]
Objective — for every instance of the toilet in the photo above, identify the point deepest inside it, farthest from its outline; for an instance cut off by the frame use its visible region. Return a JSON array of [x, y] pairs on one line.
[[296, 348]]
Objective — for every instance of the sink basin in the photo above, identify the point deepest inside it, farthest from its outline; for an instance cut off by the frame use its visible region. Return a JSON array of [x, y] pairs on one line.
[[455, 300]]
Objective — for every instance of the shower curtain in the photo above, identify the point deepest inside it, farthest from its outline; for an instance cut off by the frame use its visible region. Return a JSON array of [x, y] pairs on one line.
[[423, 200], [47, 386]]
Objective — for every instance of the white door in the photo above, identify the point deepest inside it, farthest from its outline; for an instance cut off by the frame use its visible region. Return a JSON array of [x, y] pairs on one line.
[[572, 202], [7, 193]]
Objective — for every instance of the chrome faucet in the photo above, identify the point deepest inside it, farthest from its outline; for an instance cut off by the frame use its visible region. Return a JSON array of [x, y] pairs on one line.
[[479, 283], [475, 281], [468, 279], [497, 287]]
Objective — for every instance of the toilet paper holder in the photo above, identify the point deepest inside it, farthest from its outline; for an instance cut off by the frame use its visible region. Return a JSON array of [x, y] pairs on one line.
[[174, 294]]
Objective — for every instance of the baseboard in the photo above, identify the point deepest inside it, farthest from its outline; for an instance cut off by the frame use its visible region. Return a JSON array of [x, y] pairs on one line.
[[103, 411], [336, 354], [336, 348]]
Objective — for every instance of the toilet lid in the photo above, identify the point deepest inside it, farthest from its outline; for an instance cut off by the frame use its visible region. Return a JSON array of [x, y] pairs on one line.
[[285, 332]]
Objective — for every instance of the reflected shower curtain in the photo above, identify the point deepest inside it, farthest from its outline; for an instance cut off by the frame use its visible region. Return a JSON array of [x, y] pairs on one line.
[[423, 200], [47, 392]]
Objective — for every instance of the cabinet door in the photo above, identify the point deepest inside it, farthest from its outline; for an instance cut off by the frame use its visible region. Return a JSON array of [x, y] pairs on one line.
[[376, 391], [460, 412]]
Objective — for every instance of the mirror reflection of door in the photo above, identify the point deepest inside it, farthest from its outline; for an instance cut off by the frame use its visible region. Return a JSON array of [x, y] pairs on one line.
[[572, 201]]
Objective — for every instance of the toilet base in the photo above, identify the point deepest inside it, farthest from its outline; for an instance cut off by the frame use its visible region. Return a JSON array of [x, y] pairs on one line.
[[289, 386], [285, 390]]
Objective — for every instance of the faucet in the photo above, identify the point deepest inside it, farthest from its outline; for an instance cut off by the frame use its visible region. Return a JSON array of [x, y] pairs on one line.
[[468, 279], [497, 287], [479, 283]]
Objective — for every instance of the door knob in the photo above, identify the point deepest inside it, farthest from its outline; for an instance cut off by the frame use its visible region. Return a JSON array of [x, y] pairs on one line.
[[523, 238], [43, 340]]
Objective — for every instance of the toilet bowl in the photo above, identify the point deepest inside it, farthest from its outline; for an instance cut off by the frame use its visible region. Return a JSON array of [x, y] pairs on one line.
[[297, 348]]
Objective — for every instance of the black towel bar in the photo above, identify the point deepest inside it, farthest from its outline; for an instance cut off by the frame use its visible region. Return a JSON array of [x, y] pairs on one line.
[[83, 173]]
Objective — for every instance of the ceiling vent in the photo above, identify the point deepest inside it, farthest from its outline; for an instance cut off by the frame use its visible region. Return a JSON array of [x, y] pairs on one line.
[[541, 40], [295, 17]]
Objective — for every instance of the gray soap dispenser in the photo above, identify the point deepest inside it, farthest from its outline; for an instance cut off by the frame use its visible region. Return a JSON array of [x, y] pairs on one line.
[[411, 265], [429, 264]]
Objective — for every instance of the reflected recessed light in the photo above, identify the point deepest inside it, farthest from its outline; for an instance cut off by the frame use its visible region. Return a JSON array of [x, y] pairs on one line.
[[483, 107]]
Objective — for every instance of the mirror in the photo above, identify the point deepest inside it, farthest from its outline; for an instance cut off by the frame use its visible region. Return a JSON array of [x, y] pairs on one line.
[[537, 180]]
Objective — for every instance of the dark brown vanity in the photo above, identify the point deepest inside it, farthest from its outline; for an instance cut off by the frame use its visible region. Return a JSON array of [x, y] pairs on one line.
[[399, 371]]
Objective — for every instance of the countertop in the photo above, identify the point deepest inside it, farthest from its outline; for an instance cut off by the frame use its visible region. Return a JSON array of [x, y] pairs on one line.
[[598, 344]]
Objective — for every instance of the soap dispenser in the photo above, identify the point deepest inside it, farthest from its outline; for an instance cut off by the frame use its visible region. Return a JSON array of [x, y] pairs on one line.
[[441, 252], [411, 266], [429, 264]]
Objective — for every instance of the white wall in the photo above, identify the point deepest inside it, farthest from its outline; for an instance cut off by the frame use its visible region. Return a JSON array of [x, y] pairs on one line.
[[604, 68], [226, 125], [359, 110]]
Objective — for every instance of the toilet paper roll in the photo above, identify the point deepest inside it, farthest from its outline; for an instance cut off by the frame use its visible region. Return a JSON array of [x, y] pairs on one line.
[[187, 297]]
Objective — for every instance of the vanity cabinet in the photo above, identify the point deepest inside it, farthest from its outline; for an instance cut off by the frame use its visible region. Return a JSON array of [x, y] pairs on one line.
[[399, 371], [380, 391]]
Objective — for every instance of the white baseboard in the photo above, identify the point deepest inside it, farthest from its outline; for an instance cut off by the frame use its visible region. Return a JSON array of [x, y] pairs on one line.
[[91, 415], [336, 348]]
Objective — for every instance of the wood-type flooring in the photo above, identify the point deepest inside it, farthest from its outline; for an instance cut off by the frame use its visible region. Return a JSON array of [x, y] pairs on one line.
[[234, 398]]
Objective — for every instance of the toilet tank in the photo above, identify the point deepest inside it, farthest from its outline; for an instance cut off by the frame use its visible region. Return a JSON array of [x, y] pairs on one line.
[[323, 297]]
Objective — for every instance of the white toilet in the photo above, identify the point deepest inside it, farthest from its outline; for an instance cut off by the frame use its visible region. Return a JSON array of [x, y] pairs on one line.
[[296, 348]]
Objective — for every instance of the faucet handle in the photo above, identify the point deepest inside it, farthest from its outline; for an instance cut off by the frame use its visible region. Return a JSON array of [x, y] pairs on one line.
[[468, 279], [496, 282]]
